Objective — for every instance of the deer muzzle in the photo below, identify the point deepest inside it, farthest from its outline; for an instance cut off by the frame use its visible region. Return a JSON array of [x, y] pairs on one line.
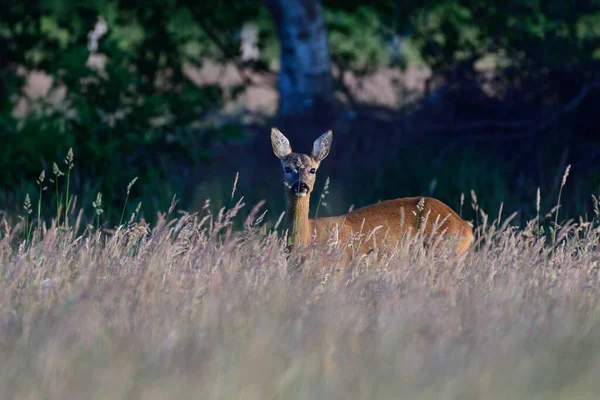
[[300, 189]]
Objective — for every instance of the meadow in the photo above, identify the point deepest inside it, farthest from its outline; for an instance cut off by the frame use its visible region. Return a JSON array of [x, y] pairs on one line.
[[209, 305], [136, 272]]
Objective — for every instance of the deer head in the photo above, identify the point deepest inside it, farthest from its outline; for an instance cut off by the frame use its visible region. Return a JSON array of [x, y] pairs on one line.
[[300, 170]]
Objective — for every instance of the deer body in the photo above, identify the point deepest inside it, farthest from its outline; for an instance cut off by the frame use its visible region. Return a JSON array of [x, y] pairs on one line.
[[386, 222]]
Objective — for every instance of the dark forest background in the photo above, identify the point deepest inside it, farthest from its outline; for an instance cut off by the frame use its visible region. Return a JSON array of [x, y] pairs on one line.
[[440, 98]]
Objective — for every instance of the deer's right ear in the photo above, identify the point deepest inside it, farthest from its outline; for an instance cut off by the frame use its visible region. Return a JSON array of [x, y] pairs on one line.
[[281, 144]]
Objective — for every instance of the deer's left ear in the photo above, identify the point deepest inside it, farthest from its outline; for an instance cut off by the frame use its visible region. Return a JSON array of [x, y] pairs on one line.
[[321, 146]]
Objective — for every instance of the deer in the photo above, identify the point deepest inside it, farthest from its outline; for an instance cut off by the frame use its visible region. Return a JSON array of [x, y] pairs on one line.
[[388, 221]]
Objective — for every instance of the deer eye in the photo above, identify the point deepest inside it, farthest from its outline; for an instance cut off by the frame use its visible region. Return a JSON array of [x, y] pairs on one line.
[[313, 170], [288, 170]]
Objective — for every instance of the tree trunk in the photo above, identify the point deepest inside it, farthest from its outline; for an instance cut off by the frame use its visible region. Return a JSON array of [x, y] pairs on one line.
[[305, 82]]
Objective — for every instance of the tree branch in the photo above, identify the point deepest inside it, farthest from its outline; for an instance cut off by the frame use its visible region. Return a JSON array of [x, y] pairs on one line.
[[564, 111]]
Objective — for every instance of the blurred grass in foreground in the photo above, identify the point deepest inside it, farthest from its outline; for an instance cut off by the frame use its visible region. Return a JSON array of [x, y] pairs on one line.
[[191, 308]]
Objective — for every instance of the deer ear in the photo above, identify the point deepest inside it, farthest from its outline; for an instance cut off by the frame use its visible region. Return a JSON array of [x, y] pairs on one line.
[[281, 144], [322, 145]]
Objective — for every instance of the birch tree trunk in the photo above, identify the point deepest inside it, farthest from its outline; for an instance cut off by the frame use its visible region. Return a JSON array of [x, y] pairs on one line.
[[305, 82]]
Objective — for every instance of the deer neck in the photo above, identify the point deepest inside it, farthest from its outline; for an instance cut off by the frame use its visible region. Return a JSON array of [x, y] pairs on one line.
[[298, 225]]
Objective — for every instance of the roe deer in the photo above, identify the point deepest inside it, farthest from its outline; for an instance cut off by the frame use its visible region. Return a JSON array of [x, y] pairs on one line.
[[397, 217]]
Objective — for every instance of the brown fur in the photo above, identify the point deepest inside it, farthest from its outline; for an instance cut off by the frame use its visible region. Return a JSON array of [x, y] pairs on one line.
[[390, 220]]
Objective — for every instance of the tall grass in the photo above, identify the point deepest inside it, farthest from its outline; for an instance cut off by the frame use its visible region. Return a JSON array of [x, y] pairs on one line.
[[190, 308]]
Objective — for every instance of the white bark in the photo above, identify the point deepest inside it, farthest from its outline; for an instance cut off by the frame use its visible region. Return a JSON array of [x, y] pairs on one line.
[[305, 82]]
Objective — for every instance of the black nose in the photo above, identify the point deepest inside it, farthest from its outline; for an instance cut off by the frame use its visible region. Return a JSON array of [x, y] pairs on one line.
[[300, 187]]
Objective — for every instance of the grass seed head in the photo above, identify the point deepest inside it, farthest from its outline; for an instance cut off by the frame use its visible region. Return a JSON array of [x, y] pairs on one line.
[[41, 178], [27, 204], [57, 172], [130, 185], [69, 158]]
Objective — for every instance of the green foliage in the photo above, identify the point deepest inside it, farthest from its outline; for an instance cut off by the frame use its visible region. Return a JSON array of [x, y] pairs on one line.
[[449, 31], [132, 115], [355, 39], [525, 31], [446, 33]]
